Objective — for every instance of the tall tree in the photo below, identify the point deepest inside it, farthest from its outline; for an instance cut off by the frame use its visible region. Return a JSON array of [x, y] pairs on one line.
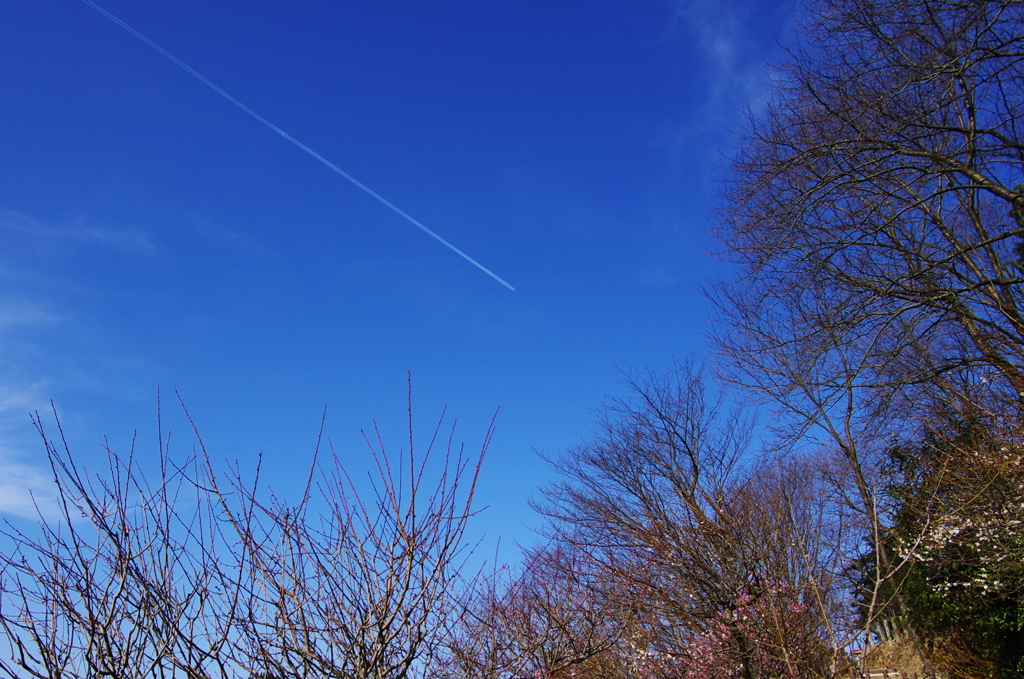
[[686, 526], [876, 215], [878, 204]]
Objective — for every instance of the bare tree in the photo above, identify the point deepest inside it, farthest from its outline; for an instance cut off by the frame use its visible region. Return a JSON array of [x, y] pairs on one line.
[[672, 504], [878, 204], [200, 574], [876, 212]]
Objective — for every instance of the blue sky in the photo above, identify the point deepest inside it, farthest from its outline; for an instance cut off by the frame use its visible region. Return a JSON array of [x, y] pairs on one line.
[[152, 234]]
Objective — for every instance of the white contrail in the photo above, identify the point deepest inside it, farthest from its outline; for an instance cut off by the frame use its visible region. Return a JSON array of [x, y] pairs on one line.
[[199, 76]]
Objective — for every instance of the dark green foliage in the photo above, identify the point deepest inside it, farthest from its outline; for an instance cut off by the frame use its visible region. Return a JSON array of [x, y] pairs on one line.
[[958, 515]]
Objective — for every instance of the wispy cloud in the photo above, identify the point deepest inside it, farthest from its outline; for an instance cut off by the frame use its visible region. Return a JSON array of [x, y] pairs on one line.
[[735, 39], [28, 315], [26, 486], [18, 313], [717, 27], [124, 239], [26, 490], [22, 399]]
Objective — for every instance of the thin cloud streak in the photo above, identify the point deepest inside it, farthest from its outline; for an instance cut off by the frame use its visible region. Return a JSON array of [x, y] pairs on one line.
[[18, 313], [125, 240]]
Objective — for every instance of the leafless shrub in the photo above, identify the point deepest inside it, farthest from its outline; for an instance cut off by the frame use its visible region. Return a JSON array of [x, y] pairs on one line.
[[546, 618], [200, 574]]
